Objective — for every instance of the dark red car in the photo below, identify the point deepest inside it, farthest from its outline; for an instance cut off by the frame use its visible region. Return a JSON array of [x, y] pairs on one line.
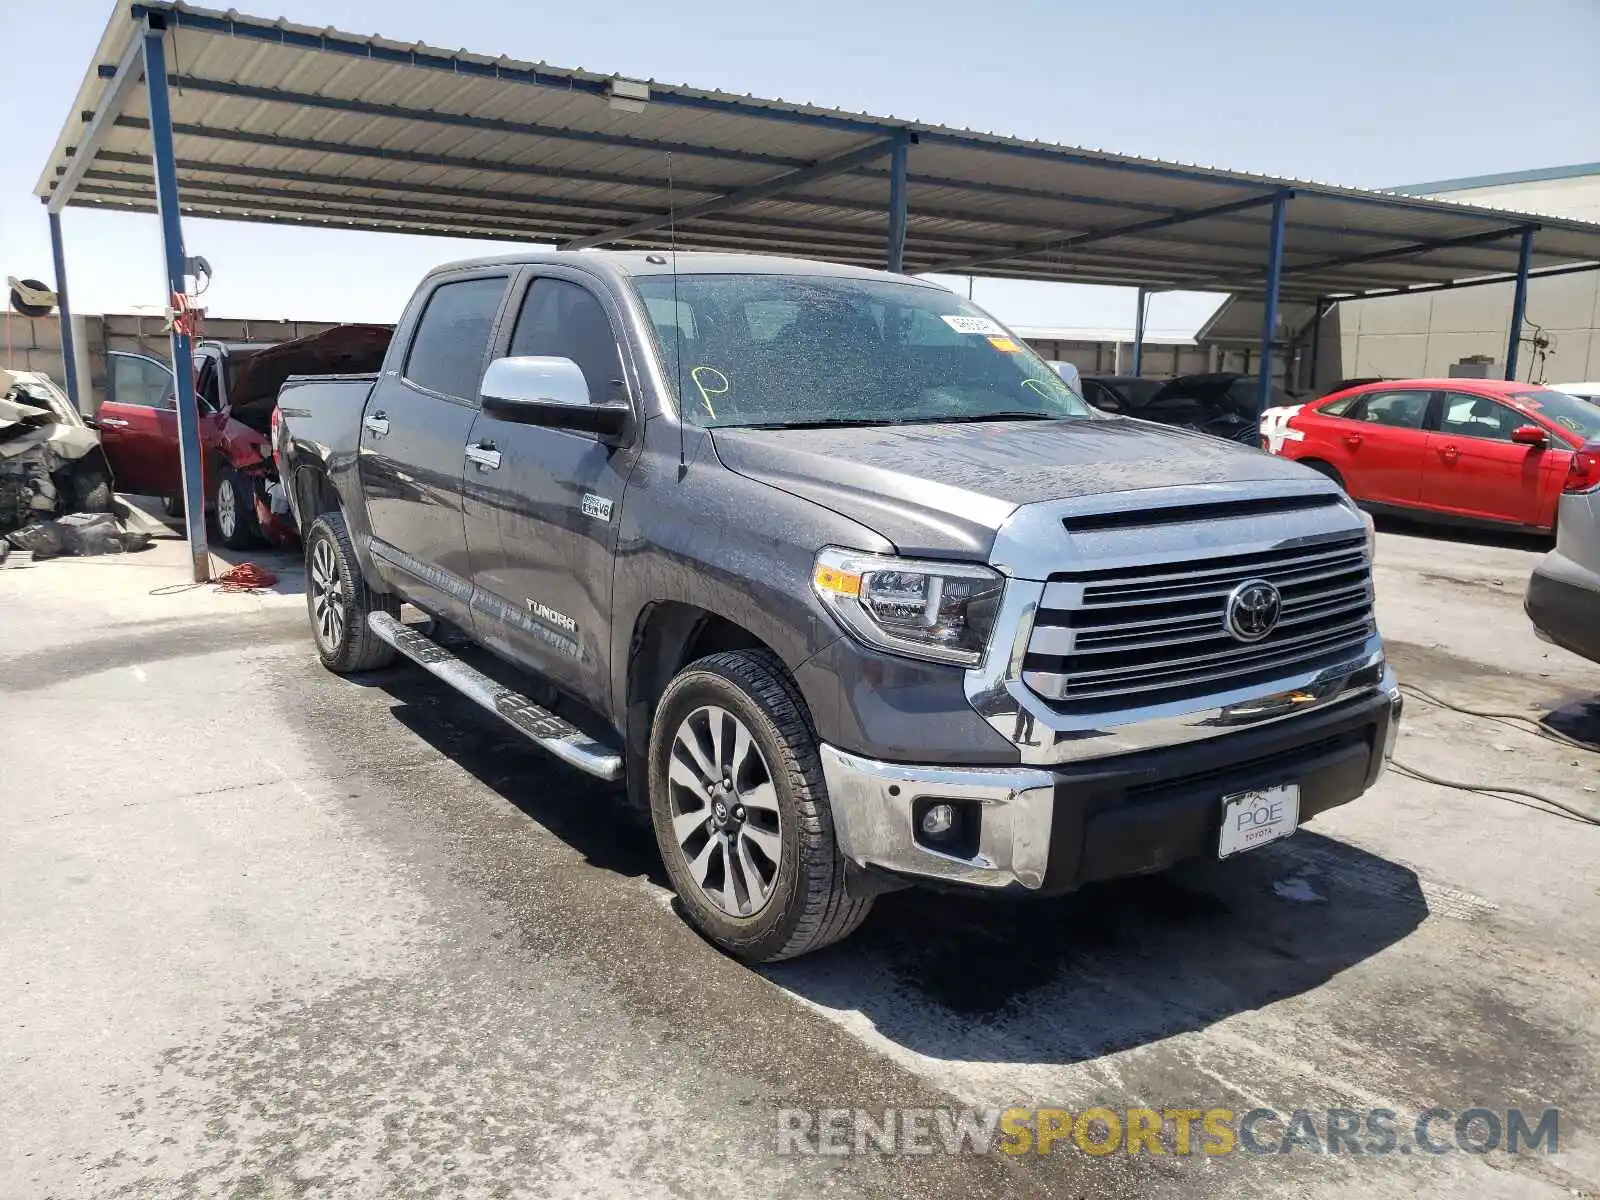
[[1473, 450]]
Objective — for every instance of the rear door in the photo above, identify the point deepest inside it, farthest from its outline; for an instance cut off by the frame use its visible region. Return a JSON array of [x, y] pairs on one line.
[[541, 522], [1378, 443], [414, 437], [1475, 469], [138, 423]]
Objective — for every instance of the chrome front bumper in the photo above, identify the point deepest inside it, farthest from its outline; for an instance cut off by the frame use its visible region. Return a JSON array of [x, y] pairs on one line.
[[875, 806]]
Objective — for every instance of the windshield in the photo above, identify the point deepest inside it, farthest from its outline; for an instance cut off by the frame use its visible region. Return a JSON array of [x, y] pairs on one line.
[[1575, 415], [786, 350]]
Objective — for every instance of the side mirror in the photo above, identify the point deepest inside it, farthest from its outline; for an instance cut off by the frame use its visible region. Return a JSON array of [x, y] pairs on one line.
[[551, 391], [1530, 435]]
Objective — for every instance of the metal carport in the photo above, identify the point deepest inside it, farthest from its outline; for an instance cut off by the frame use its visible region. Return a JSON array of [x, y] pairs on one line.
[[244, 118]]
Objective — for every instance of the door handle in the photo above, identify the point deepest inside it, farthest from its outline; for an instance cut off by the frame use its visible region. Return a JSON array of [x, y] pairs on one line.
[[1352, 440], [114, 422], [485, 455], [377, 424], [1449, 454]]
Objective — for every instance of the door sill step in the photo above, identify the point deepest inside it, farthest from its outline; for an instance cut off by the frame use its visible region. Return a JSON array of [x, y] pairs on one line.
[[539, 725]]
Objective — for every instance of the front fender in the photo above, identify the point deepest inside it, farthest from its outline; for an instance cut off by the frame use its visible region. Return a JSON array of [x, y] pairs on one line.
[[722, 542]]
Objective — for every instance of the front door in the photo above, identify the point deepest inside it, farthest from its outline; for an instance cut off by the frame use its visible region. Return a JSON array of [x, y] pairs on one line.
[[542, 524], [1476, 470], [413, 443]]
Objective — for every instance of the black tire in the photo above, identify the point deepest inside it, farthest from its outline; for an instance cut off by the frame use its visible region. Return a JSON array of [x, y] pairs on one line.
[[345, 644], [1325, 469], [809, 906], [233, 509], [172, 506]]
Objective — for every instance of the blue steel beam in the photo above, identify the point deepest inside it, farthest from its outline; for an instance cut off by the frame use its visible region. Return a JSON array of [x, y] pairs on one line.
[[747, 195], [166, 176], [1088, 237], [69, 350], [219, 87], [1410, 251], [124, 78], [1422, 289], [576, 217], [1269, 314], [1519, 302], [896, 255], [1138, 331]]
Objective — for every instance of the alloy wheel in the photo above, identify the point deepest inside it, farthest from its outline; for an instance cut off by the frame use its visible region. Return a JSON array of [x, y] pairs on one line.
[[724, 807], [327, 596], [227, 509]]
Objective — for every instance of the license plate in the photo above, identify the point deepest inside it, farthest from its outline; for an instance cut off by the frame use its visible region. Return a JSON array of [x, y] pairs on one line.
[[1251, 819]]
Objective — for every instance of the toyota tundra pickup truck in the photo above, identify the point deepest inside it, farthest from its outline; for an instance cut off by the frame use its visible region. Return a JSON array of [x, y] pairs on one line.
[[842, 580]]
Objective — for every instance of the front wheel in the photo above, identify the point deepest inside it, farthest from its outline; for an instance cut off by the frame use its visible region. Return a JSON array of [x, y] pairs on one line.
[[339, 601], [233, 506], [741, 812]]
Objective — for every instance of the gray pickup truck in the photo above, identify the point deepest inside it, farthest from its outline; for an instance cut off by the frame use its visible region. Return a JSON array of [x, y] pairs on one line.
[[842, 579]]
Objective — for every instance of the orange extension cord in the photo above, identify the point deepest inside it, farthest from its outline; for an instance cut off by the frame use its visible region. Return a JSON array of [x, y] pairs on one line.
[[245, 579]]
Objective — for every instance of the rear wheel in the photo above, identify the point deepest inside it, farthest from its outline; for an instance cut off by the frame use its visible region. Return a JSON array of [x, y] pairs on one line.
[[339, 601], [741, 814], [233, 507]]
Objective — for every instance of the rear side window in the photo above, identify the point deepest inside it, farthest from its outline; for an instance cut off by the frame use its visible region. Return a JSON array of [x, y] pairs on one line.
[[1397, 410], [452, 338]]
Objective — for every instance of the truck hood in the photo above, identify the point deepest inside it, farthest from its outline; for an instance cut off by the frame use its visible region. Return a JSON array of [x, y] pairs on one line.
[[946, 489]]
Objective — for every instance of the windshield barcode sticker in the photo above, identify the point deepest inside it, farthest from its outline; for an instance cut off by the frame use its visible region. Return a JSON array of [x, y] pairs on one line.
[[979, 325]]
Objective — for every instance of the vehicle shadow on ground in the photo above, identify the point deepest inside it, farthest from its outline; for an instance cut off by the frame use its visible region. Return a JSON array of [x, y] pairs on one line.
[[588, 814], [1471, 535], [1117, 965], [990, 979]]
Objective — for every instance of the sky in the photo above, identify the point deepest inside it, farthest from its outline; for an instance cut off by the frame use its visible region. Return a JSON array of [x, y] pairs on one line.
[[1369, 93]]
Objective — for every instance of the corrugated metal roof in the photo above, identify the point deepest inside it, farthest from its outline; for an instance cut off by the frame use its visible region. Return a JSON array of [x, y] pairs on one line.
[[285, 123]]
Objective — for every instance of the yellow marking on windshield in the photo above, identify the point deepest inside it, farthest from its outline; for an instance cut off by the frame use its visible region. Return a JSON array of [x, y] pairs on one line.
[[706, 391], [1004, 344]]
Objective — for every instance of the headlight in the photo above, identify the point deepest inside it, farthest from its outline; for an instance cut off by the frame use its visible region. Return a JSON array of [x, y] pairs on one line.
[[1372, 535], [939, 611]]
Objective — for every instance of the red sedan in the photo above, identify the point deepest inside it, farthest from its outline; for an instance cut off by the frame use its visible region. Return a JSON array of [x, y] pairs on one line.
[[1475, 450]]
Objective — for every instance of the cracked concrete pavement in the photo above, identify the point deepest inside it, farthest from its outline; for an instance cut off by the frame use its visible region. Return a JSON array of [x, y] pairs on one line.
[[272, 933]]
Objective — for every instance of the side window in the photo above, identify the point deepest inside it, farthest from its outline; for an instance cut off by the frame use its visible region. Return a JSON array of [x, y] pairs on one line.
[[1398, 410], [562, 319], [140, 381], [1478, 417], [1341, 408], [452, 338]]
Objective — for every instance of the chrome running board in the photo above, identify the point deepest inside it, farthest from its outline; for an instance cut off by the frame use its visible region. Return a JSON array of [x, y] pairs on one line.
[[539, 725]]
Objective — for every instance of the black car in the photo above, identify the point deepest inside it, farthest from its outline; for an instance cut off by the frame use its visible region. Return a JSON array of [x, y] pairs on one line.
[[1223, 404]]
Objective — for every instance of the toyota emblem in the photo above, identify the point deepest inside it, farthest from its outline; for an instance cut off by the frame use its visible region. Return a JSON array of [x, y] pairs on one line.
[[1253, 610]]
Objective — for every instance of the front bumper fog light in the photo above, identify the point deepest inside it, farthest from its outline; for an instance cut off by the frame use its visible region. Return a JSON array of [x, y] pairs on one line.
[[939, 819]]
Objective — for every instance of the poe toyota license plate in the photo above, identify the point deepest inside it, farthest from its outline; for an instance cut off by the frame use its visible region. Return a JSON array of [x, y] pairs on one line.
[[1251, 819]]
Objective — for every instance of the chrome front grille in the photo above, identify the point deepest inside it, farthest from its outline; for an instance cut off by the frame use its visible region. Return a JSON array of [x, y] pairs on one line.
[[1126, 637]]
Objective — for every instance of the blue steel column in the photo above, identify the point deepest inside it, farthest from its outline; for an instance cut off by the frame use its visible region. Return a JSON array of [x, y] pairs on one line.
[[897, 204], [1138, 333], [1269, 317], [1316, 342], [1519, 303], [166, 172], [69, 349]]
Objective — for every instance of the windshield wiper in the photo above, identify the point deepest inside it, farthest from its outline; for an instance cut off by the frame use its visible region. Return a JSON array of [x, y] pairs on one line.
[[973, 418], [821, 423]]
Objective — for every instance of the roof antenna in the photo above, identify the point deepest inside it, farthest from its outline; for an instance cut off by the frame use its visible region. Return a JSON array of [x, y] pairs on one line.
[[677, 317]]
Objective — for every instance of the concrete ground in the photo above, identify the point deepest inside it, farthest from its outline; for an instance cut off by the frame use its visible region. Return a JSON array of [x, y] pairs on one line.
[[271, 933]]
